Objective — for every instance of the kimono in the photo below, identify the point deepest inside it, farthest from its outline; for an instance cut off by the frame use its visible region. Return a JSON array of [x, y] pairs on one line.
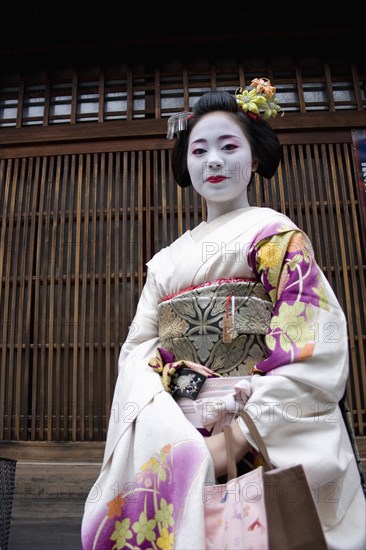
[[156, 463]]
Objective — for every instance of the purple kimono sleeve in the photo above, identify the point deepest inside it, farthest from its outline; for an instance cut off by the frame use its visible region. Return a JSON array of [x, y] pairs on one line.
[[283, 260]]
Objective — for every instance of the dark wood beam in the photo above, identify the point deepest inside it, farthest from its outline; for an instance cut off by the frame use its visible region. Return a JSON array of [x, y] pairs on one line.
[[156, 128]]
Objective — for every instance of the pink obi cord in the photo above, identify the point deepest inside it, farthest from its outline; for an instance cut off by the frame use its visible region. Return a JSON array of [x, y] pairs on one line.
[[210, 283]]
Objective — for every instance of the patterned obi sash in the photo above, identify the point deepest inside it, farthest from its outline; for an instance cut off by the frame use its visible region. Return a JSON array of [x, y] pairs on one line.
[[220, 324]]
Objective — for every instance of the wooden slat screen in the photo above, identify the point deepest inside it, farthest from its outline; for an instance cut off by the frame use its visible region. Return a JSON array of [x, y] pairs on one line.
[[120, 91], [76, 232], [321, 196]]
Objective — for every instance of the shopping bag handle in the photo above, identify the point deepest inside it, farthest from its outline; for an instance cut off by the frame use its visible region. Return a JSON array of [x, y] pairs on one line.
[[232, 470]]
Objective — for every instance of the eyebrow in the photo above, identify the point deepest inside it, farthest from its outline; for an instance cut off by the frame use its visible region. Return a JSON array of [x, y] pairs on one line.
[[226, 136]]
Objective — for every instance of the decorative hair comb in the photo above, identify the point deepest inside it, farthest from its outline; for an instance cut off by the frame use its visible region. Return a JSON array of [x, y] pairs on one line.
[[177, 123], [259, 99]]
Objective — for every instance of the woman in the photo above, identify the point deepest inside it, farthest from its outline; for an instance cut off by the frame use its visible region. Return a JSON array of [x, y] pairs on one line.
[[234, 314]]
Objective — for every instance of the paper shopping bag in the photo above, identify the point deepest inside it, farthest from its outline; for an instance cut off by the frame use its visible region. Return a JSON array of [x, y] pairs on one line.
[[267, 508]]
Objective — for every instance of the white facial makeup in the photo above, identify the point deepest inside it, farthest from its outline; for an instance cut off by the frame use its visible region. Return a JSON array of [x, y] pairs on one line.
[[220, 162]]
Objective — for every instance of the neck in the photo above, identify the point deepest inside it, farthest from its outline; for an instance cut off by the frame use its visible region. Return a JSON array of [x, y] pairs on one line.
[[217, 209]]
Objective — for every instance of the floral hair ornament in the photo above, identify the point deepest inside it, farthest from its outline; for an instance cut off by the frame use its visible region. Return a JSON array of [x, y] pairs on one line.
[[259, 99], [177, 123]]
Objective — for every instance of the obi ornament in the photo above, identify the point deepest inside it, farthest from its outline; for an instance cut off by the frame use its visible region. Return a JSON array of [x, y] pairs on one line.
[[180, 378]]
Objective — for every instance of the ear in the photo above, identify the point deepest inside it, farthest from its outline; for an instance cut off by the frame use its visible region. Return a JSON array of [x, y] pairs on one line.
[[254, 165]]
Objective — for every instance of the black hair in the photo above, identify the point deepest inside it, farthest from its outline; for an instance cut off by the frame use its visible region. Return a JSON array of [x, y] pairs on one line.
[[264, 143]]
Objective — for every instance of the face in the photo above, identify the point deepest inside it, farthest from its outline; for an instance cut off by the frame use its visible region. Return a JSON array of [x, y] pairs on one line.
[[219, 159]]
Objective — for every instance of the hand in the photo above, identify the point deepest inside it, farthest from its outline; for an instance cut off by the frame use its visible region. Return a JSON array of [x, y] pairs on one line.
[[217, 446]]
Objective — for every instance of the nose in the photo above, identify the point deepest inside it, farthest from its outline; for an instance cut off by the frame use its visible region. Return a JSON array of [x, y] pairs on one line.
[[215, 164]]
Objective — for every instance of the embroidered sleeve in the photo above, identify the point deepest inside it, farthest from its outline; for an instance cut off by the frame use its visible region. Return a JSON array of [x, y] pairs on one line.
[[285, 264]]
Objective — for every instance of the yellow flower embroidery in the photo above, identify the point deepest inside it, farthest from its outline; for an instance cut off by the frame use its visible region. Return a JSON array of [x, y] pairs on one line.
[[166, 540], [271, 254]]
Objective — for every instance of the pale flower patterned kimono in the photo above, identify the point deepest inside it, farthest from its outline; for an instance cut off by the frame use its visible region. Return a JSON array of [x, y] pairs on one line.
[[156, 464]]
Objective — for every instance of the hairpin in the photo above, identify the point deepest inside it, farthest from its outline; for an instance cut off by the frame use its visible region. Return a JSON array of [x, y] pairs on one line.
[[259, 99], [177, 123]]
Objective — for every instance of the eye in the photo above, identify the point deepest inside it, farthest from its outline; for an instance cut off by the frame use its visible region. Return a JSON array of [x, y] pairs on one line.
[[198, 151], [229, 147]]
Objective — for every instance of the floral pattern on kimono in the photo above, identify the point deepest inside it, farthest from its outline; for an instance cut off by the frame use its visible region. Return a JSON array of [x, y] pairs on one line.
[[282, 258], [146, 513]]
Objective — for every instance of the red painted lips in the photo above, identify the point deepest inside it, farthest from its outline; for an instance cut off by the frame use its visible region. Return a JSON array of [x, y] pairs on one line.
[[216, 179]]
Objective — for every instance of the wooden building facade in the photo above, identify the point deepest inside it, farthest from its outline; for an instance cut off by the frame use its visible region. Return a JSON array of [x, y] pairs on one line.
[[87, 197]]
